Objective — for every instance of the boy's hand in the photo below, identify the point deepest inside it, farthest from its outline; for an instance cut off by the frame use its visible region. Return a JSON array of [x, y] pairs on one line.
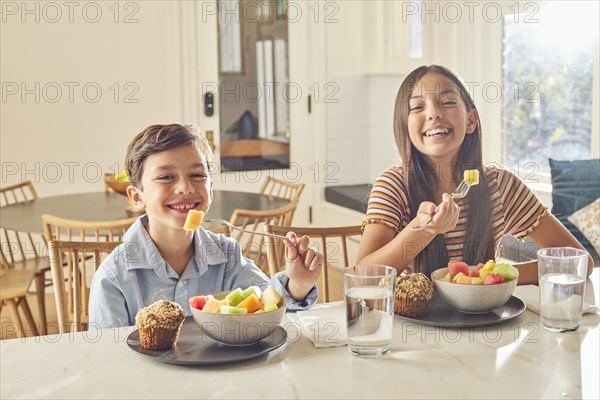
[[303, 265]]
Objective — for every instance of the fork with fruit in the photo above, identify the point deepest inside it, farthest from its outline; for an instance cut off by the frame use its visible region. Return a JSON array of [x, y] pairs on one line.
[[470, 178]]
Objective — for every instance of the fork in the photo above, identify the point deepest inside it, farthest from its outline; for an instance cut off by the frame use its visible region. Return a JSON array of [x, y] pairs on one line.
[[461, 191], [232, 226]]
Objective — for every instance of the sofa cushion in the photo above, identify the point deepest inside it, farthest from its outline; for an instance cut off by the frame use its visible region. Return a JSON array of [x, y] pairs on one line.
[[587, 220], [575, 184]]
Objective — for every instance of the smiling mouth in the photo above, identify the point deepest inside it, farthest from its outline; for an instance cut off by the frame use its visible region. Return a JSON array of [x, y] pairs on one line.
[[437, 132], [183, 207]]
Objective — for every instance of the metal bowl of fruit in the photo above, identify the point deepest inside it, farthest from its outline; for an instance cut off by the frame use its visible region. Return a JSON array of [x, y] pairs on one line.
[[239, 317], [475, 289]]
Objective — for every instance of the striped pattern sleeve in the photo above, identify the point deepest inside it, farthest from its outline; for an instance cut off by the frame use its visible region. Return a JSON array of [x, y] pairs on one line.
[[388, 203], [522, 209]]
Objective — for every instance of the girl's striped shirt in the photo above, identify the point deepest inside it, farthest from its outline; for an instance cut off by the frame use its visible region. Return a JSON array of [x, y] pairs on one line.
[[516, 210]]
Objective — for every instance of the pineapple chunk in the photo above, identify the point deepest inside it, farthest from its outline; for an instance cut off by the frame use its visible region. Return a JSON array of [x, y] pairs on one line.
[[471, 177], [193, 220]]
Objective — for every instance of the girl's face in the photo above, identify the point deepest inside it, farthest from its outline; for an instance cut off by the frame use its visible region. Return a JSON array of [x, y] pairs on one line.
[[438, 119], [173, 182]]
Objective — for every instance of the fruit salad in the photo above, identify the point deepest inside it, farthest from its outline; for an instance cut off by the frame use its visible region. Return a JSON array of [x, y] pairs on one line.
[[489, 273], [238, 301]]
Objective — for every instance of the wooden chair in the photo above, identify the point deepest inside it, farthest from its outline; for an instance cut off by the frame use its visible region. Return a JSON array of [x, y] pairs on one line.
[[19, 193], [23, 251], [14, 286], [252, 220], [332, 242], [280, 188], [82, 260], [221, 230], [56, 228]]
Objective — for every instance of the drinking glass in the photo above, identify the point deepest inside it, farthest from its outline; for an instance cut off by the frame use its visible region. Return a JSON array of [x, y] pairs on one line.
[[562, 274], [369, 298]]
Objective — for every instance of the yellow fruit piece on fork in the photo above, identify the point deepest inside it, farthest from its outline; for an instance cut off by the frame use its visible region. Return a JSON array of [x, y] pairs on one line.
[[193, 220], [471, 177]]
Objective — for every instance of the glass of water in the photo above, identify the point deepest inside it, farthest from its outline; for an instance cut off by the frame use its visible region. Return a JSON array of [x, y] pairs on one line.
[[562, 274], [369, 298]]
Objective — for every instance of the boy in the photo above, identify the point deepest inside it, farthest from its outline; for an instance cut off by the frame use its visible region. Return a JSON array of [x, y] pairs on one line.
[[169, 170]]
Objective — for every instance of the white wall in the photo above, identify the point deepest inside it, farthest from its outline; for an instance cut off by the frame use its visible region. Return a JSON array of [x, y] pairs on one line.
[[61, 141]]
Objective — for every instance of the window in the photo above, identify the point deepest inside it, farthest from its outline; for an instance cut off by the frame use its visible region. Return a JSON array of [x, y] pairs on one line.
[[548, 77]]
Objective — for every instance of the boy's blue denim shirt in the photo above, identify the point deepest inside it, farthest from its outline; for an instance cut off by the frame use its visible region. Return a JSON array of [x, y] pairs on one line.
[[135, 275]]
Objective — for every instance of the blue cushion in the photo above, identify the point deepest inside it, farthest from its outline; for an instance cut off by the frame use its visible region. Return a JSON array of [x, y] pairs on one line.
[[575, 184]]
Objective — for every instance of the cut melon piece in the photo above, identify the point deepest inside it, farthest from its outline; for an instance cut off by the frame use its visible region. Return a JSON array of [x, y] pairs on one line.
[[270, 297], [272, 307], [258, 311], [252, 289], [232, 310], [251, 303], [235, 297], [471, 177], [193, 220], [212, 306]]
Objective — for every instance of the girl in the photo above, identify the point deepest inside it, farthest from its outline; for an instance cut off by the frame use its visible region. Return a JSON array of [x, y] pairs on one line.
[[438, 134]]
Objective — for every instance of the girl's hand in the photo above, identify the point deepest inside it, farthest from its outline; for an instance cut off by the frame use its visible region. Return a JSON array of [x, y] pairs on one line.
[[444, 220], [302, 264]]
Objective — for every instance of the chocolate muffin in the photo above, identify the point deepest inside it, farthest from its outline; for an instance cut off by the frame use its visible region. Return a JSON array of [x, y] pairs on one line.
[[413, 293], [159, 324]]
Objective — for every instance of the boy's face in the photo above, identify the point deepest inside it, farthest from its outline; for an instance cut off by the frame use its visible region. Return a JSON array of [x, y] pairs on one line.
[[173, 182]]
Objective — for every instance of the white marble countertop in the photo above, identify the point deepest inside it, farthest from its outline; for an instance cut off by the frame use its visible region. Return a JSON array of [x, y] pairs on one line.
[[515, 360]]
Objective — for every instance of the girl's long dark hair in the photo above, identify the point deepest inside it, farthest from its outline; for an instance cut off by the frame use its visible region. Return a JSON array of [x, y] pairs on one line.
[[478, 246]]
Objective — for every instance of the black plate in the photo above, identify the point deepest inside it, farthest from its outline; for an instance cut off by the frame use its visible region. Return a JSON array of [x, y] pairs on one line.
[[195, 348], [439, 313]]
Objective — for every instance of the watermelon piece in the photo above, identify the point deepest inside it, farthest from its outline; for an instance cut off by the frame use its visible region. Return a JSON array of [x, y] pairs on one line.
[[492, 279], [473, 272], [198, 302], [455, 266]]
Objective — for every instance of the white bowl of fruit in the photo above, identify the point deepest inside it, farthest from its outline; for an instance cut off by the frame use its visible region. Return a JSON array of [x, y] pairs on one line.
[[477, 289], [239, 317]]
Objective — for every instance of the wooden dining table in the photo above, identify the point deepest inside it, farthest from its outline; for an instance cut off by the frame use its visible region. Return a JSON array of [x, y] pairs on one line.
[[108, 206], [516, 359]]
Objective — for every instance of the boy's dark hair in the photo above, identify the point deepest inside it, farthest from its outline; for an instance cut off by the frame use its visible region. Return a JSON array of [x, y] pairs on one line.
[[157, 138]]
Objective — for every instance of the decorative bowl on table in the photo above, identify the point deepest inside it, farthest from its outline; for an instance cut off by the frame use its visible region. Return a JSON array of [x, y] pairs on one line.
[[118, 185], [238, 329], [474, 299]]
